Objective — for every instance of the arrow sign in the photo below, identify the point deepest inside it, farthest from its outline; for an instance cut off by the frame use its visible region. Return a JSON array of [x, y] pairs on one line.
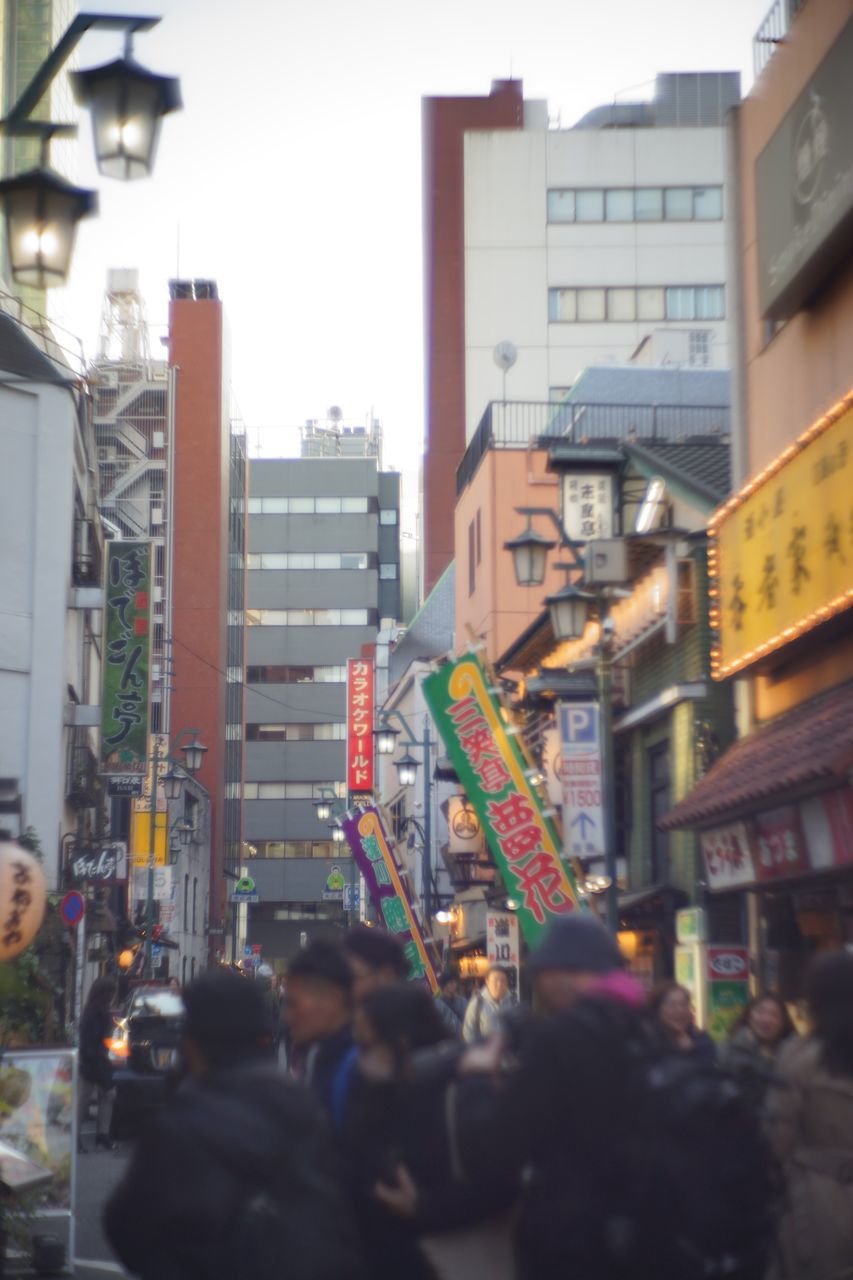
[[581, 821], [580, 773]]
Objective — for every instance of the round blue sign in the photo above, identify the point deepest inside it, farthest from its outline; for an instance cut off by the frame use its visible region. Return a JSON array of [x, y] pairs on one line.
[[72, 907]]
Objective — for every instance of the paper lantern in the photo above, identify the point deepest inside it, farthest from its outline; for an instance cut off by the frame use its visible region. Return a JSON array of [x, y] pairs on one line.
[[23, 896]]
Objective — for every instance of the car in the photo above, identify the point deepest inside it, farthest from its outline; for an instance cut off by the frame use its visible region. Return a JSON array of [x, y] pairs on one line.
[[145, 1054]]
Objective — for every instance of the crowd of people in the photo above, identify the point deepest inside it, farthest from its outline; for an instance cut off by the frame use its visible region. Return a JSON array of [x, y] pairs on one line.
[[597, 1134]]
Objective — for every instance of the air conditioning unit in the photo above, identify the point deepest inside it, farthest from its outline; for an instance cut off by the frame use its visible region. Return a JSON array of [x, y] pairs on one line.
[[606, 561], [106, 453]]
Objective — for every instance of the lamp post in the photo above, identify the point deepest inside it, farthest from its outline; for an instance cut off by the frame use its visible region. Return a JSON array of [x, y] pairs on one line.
[[173, 781], [40, 207], [570, 609], [407, 770]]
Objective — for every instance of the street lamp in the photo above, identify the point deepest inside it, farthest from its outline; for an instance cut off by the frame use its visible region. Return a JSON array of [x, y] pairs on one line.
[[323, 809], [529, 553], [173, 784], [386, 739], [407, 769], [127, 105], [569, 609], [40, 208], [338, 834]]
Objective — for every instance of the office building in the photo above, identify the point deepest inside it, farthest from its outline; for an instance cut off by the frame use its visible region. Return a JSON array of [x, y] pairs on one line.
[[549, 250], [323, 581]]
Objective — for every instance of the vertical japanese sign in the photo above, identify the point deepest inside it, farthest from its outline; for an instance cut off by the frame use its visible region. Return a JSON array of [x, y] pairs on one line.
[[580, 770], [588, 505], [124, 714], [374, 855], [491, 768], [502, 946], [359, 728]]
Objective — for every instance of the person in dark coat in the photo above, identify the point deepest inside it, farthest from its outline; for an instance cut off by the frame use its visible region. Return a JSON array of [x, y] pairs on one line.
[[96, 1073], [756, 1040], [450, 1004], [237, 1129], [406, 1134], [673, 1027], [376, 959], [319, 1017]]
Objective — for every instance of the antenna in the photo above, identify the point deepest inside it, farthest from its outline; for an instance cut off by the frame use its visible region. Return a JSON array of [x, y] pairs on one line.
[[505, 356]]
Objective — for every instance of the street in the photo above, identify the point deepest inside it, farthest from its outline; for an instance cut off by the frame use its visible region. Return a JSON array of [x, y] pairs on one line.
[[97, 1174]]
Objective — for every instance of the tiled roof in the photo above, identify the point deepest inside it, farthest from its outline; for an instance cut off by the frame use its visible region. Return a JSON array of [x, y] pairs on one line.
[[649, 385], [704, 467], [430, 633], [812, 745]]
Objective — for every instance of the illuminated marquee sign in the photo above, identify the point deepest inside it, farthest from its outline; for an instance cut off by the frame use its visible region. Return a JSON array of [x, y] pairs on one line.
[[359, 726], [781, 554], [491, 768]]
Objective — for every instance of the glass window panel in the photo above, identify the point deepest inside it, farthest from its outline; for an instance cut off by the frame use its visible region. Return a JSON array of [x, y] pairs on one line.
[[301, 506], [388, 572], [321, 849], [253, 617], [388, 515], [253, 561], [270, 790], [708, 203], [648, 204], [270, 848], [255, 506], [354, 506], [589, 206], [650, 304], [355, 561], [590, 305], [678, 204], [619, 205], [327, 506], [326, 617], [562, 305], [709, 302], [298, 790], [679, 304], [621, 304], [275, 506], [561, 206], [353, 617], [328, 560], [273, 560], [250, 790], [300, 560]]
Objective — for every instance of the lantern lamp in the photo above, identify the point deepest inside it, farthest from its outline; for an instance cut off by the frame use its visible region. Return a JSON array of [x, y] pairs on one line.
[[407, 769], [569, 609], [127, 105], [41, 211], [338, 835], [529, 554], [173, 784], [126, 958], [194, 754], [386, 739], [323, 809]]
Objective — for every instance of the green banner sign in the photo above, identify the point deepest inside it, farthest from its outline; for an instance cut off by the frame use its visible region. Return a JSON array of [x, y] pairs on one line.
[[491, 767], [127, 627]]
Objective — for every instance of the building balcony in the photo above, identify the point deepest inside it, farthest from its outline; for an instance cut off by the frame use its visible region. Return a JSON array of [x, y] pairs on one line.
[[82, 785], [773, 29]]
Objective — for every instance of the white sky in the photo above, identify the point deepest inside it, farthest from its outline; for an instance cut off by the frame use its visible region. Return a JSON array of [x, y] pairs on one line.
[[292, 176]]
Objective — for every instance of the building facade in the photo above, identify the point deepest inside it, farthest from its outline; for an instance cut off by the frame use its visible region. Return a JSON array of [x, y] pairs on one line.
[[575, 246], [323, 580]]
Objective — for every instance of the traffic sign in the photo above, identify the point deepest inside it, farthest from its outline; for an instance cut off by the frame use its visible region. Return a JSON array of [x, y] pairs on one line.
[[72, 908], [352, 897], [156, 951], [580, 770], [238, 898]]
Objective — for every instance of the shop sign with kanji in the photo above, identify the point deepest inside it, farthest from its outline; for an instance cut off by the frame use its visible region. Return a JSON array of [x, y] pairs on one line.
[[491, 768], [781, 555], [588, 505], [373, 851], [359, 726], [127, 623]]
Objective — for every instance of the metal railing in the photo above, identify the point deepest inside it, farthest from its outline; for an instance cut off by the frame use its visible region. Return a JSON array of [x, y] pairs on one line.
[[775, 26], [514, 424]]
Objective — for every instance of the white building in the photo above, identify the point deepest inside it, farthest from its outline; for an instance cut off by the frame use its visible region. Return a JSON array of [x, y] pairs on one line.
[[51, 597], [580, 243]]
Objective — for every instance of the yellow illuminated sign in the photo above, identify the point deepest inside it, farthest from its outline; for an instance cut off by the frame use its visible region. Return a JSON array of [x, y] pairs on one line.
[[781, 554], [140, 838]]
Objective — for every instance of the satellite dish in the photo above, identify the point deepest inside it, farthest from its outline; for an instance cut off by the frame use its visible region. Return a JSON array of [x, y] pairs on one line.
[[505, 355], [335, 414]]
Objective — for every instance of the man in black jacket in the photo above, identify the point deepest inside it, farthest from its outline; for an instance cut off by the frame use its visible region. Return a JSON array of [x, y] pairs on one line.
[[237, 1173], [319, 1016]]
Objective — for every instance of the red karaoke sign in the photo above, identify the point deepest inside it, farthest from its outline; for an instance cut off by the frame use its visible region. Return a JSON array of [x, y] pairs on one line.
[[360, 705]]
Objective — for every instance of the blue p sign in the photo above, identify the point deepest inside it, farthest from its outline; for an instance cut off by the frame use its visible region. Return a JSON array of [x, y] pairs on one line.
[[580, 724]]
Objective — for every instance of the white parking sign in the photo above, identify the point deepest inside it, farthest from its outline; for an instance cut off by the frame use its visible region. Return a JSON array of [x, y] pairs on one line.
[[580, 769]]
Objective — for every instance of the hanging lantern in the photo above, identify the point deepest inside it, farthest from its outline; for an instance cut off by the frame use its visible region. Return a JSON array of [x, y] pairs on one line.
[[23, 896], [127, 104], [42, 211]]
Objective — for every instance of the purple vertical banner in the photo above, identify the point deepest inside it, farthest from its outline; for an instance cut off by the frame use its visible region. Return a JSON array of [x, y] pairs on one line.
[[373, 851]]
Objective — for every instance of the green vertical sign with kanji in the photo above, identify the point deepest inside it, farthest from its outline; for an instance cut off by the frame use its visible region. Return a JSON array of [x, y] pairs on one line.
[[491, 768], [127, 628]]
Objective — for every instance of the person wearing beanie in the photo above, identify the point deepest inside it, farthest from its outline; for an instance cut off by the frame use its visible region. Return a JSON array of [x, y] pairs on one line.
[[236, 1131]]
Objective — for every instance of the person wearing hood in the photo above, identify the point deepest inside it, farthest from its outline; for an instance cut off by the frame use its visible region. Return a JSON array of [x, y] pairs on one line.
[[236, 1135]]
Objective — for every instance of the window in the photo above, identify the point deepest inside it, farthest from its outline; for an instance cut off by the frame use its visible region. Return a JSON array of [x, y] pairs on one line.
[[308, 617], [619, 205], [354, 561], [708, 203], [562, 305], [650, 304], [648, 204], [353, 617], [472, 567], [699, 348], [695, 302], [354, 506], [561, 206], [292, 790], [678, 203], [308, 560], [589, 206], [388, 572], [388, 515], [590, 305], [293, 849], [328, 506], [195, 899], [186, 901], [479, 540], [621, 304], [296, 675], [661, 803], [290, 732]]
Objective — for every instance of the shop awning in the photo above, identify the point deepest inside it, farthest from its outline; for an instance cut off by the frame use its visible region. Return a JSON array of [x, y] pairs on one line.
[[806, 749]]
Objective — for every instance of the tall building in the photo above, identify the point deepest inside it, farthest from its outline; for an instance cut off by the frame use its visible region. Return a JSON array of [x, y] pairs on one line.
[[574, 247], [323, 578]]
